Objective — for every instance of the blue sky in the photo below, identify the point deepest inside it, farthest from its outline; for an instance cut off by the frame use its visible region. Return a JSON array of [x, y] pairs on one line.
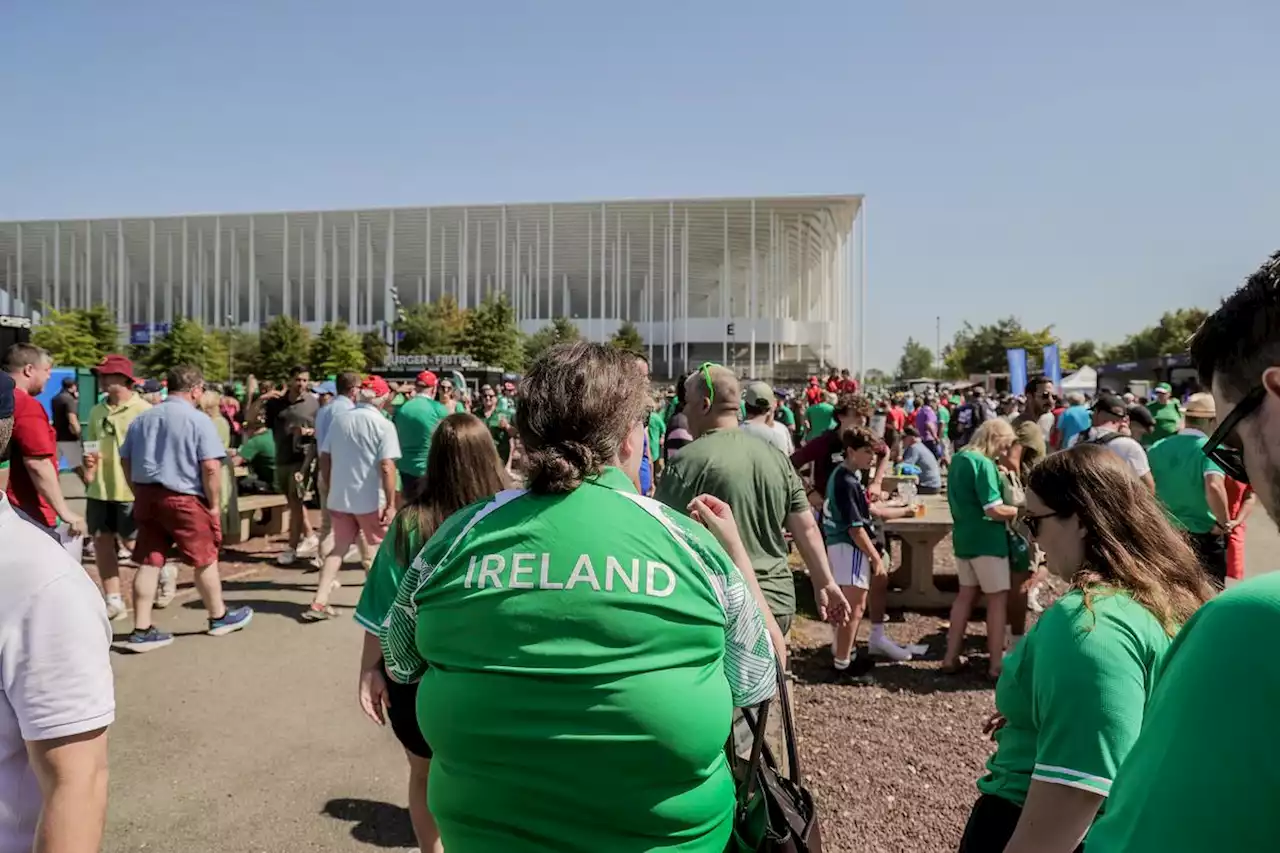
[[1088, 167]]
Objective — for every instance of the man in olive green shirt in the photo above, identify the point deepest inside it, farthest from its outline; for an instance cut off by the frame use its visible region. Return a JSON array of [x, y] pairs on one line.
[[761, 486]]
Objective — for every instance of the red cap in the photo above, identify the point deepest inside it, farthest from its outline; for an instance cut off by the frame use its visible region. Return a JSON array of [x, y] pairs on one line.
[[427, 379], [813, 380], [116, 364], [377, 385]]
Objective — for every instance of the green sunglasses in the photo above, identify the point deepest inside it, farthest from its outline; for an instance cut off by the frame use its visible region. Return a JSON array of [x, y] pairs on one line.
[[705, 370]]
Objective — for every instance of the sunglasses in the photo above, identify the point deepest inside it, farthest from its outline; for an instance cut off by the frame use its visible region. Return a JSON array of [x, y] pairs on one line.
[[1223, 447], [1033, 522], [705, 370]]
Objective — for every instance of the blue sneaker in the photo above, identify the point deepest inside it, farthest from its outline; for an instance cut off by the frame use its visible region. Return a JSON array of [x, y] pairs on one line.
[[235, 619], [148, 640]]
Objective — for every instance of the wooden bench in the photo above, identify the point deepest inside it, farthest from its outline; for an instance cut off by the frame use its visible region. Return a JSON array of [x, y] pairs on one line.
[[920, 539], [275, 517]]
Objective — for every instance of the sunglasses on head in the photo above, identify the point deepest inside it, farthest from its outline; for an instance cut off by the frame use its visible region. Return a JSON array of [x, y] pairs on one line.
[[705, 370], [1223, 447]]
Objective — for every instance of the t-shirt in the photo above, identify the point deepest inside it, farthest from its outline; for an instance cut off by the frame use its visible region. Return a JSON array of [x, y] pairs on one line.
[[55, 664], [33, 438], [1033, 441], [825, 453], [846, 506], [1203, 773], [562, 629], [944, 419], [926, 420], [924, 459], [678, 435], [1168, 418], [822, 417], [760, 485], [657, 429], [166, 445], [259, 453], [416, 422], [501, 438], [285, 417], [324, 417], [783, 414], [1073, 693], [898, 417], [765, 432], [64, 405], [383, 579], [108, 425], [1074, 420], [358, 440], [1123, 446], [973, 487], [1179, 467]]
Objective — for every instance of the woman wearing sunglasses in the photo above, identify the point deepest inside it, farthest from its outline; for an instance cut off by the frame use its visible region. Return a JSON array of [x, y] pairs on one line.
[[1071, 699]]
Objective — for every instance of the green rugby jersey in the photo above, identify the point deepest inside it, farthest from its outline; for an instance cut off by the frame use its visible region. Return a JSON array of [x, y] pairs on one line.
[[1073, 693], [580, 657]]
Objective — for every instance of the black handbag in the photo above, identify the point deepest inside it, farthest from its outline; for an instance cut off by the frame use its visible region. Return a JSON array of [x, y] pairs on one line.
[[775, 813]]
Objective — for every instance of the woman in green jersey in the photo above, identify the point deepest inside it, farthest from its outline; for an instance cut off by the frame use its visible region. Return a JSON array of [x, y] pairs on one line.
[[581, 647], [464, 468], [1073, 693]]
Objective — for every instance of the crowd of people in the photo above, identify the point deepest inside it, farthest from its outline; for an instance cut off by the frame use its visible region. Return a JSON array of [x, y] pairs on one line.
[[585, 571]]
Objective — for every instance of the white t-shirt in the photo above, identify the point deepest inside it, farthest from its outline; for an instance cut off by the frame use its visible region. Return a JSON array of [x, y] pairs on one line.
[[1125, 447], [55, 665], [780, 440], [357, 440]]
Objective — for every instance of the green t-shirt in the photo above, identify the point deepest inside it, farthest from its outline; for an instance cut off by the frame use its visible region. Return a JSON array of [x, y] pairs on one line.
[[259, 454], [973, 485], [1203, 773], [591, 646], [822, 417], [1072, 694], [501, 437], [657, 429], [1168, 418], [1179, 467], [383, 579], [415, 422], [784, 415], [108, 425], [758, 481], [944, 418]]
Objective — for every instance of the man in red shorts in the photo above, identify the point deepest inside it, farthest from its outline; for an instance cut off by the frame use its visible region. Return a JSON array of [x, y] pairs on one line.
[[172, 457]]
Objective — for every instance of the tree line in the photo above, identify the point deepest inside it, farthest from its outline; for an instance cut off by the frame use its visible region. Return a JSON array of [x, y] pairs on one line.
[[487, 333], [981, 349]]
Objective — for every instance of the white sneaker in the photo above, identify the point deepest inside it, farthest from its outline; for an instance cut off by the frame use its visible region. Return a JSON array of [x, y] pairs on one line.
[[168, 585], [882, 646], [309, 547], [353, 555], [287, 557], [116, 609]]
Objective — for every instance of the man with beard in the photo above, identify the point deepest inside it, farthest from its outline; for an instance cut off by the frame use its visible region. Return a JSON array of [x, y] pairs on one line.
[[1202, 774]]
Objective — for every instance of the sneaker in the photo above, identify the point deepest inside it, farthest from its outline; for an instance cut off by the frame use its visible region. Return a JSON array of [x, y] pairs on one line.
[[168, 585], [287, 557], [353, 555], [309, 547], [319, 613], [149, 640], [233, 620], [883, 647], [115, 608]]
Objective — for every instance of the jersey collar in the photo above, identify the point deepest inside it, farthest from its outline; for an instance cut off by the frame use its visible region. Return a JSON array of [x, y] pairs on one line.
[[614, 478]]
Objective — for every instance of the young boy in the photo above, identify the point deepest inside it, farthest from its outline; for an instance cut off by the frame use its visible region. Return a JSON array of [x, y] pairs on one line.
[[856, 549]]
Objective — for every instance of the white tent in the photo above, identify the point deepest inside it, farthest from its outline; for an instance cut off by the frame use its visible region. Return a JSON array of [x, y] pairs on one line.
[[1084, 380]]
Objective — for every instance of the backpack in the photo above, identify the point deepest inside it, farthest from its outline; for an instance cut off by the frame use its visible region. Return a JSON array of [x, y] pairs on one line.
[[1102, 440]]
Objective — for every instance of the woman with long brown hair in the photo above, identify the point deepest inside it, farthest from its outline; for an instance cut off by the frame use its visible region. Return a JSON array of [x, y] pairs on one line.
[[462, 467], [1072, 696]]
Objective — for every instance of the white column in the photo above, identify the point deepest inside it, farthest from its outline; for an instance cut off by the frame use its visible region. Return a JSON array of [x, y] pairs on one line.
[[368, 269], [617, 265], [302, 273], [464, 234], [388, 308], [186, 271], [590, 278], [500, 253], [218, 318], [755, 288], [319, 276], [233, 290], [444, 284], [121, 317], [44, 276], [771, 289], [726, 283], [670, 313], [537, 272], [353, 282], [551, 266], [862, 286], [477, 275], [647, 313], [334, 266], [57, 265], [684, 290], [151, 276], [516, 267], [499, 234], [627, 286], [286, 295], [427, 263], [168, 281], [253, 273], [604, 239], [73, 281], [17, 293]]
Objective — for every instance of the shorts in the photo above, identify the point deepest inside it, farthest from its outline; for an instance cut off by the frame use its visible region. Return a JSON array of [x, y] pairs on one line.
[[348, 526], [72, 452], [114, 517], [402, 713], [849, 565], [990, 574], [288, 482], [168, 522]]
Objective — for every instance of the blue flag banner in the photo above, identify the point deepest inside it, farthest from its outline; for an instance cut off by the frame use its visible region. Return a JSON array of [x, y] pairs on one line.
[[1053, 365], [1017, 370]]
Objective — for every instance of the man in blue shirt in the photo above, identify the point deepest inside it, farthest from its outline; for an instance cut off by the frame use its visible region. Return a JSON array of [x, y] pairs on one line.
[[172, 457], [1075, 420], [646, 460], [915, 453]]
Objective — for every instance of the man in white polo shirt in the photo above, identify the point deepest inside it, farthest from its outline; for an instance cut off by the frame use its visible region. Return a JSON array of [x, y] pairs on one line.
[[56, 692], [358, 462], [1110, 422]]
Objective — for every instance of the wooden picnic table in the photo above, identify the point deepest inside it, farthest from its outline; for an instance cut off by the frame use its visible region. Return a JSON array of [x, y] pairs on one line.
[[920, 537]]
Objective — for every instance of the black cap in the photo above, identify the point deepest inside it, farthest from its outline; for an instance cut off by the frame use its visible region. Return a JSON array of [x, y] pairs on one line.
[[6, 396], [1110, 404], [1141, 415]]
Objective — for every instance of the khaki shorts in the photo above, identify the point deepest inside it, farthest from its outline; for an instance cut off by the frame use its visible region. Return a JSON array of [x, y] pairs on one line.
[[990, 574]]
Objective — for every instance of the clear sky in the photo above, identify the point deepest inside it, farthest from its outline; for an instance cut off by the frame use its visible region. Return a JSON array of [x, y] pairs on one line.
[[1089, 165]]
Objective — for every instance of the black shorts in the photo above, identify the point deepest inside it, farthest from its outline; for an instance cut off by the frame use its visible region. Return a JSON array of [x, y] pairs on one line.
[[113, 517], [402, 712], [991, 825]]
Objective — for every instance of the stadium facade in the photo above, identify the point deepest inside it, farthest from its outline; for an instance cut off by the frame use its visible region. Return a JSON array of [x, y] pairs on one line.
[[773, 285]]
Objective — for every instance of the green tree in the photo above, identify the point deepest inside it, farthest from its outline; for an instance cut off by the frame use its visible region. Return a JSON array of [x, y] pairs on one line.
[[335, 350], [491, 336], [434, 329], [68, 337], [982, 349], [558, 331], [1083, 352], [374, 347], [875, 377], [283, 344], [1167, 337], [916, 361], [186, 343], [102, 325], [628, 338], [245, 352]]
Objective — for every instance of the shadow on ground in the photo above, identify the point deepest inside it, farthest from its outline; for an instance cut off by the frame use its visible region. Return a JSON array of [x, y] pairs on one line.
[[379, 824]]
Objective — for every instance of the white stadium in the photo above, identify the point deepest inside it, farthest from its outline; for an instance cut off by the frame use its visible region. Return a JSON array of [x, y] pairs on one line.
[[774, 286]]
